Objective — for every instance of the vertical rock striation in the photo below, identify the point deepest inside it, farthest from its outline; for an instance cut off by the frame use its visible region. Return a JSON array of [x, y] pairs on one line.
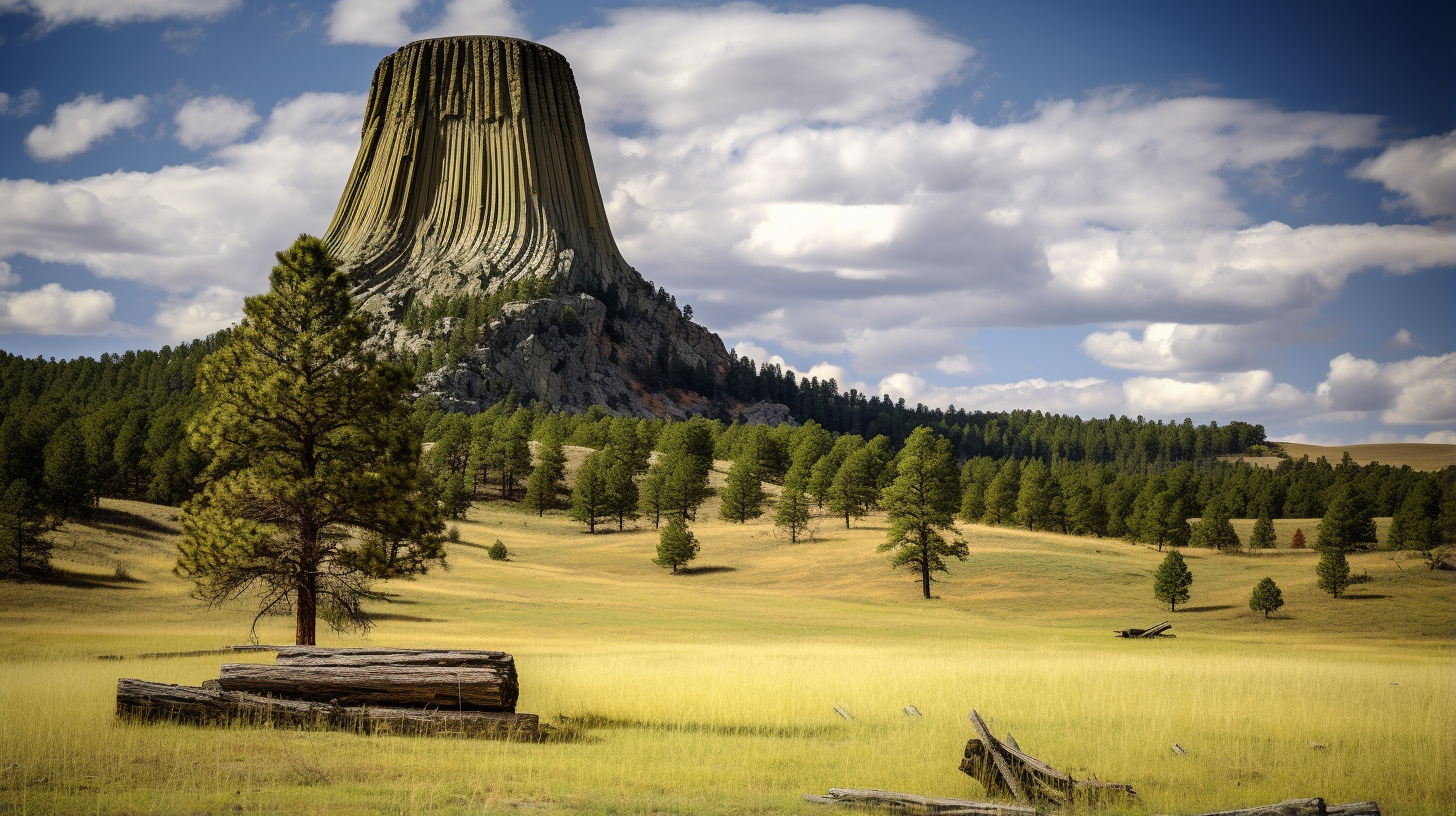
[[474, 179]]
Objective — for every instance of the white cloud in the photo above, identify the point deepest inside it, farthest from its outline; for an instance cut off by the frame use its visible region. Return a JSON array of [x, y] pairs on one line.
[[81, 123], [213, 121], [1241, 392], [1414, 391], [1383, 437], [385, 22], [8, 278], [188, 318], [959, 364], [23, 105], [186, 228], [1087, 396], [54, 310], [1423, 171], [1402, 340], [60, 12], [1169, 347]]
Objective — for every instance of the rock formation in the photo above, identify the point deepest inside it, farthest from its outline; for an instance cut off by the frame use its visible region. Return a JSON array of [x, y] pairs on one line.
[[475, 231]]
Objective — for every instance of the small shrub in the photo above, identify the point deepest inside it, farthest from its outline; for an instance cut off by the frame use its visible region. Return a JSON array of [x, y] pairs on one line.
[[498, 551], [1297, 542], [1362, 578], [121, 573], [1267, 597], [453, 534]]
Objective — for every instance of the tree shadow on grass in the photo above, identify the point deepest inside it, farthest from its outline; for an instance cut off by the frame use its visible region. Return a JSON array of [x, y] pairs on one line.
[[395, 616], [1364, 597], [120, 521], [85, 580], [705, 570], [1207, 608]]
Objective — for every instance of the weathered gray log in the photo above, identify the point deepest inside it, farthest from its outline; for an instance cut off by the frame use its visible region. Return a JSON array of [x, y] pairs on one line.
[[1155, 631], [1314, 806], [316, 656], [459, 688], [139, 699], [1353, 809], [914, 803], [1003, 769]]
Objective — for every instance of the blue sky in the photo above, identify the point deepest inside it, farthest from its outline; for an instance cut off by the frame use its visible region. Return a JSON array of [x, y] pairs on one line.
[[1227, 211]]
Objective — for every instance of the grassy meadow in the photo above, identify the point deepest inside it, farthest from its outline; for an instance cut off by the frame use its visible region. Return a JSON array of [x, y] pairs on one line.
[[712, 691]]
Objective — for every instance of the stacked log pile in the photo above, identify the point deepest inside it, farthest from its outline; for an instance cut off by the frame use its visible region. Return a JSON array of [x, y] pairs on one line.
[[435, 691]]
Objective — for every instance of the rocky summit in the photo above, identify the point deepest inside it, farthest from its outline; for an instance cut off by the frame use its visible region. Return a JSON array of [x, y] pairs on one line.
[[475, 232]]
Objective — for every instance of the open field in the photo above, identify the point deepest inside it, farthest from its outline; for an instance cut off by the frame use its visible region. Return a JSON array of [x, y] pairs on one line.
[[711, 692], [1419, 455]]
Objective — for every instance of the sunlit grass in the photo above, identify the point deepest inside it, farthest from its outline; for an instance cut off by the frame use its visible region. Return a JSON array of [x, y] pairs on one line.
[[713, 692]]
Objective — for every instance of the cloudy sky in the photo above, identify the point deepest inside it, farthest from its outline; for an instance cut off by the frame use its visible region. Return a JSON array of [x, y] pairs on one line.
[[1225, 211]]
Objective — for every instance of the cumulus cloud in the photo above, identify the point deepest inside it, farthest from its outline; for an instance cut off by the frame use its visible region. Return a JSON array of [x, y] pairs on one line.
[[60, 12], [1402, 340], [212, 121], [785, 151], [200, 314], [52, 309], [387, 22], [1407, 392], [1422, 171], [1169, 347], [23, 105], [81, 123], [185, 228]]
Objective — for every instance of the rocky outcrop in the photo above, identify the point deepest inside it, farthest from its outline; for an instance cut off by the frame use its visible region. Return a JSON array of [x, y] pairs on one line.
[[474, 178]]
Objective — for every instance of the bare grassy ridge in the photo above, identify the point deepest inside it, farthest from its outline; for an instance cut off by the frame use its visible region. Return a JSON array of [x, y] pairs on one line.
[[1420, 456], [711, 692]]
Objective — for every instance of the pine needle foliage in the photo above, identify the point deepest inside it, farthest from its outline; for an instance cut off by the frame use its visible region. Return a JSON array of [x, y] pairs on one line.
[[1266, 597], [676, 545], [1172, 580], [316, 486], [921, 503]]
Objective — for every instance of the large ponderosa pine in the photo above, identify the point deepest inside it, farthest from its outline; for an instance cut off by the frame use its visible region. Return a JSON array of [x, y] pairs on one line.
[[794, 504], [1347, 523], [742, 493], [856, 486], [921, 503], [1332, 571], [549, 474], [24, 549], [1215, 530], [591, 498], [315, 486], [1172, 580], [1263, 536]]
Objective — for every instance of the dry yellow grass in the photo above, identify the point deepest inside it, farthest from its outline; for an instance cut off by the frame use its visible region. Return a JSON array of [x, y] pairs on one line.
[[1420, 456], [711, 692]]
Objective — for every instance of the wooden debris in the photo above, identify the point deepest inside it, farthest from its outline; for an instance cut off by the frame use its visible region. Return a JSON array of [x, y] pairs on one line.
[[916, 805], [1178, 749], [316, 656], [139, 699], [1160, 630], [1003, 769], [843, 712], [912, 711], [910, 803], [461, 688]]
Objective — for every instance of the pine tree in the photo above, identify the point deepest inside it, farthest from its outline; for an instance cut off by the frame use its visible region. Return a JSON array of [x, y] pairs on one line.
[[498, 551], [68, 483], [651, 496], [743, 495], [921, 504], [590, 499], [676, 546], [1333, 571], [794, 504], [311, 444], [821, 477], [512, 449], [24, 549], [1002, 492], [1414, 525], [1346, 524], [548, 475], [1171, 581], [454, 496], [1267, 597], [1034, 499], [856, 486], [1214, 530], [1263, 536], [1296, 541], [621, 489]]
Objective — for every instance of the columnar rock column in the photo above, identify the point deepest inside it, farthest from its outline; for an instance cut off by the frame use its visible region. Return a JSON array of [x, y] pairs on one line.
[[474, 171]]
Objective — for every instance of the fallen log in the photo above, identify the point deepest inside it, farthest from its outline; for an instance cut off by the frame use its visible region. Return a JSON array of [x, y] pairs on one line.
[[315, 656], [1003, 769], [914, 804], [460, 688], [142, 700], [1314, 806], [1160, 630]]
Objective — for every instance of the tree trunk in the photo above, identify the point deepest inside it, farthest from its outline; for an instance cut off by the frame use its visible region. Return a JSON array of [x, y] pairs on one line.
[[924, 565], [139, 699], [459, 688], [306, 609]]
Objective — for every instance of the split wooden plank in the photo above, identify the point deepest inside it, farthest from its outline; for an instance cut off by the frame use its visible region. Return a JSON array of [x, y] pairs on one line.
[[316, 656], [462, 688], [914, 803], [139, 699], [1010, 778]]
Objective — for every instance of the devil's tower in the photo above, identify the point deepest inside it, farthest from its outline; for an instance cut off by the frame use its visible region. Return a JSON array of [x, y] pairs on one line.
[[474, 186]]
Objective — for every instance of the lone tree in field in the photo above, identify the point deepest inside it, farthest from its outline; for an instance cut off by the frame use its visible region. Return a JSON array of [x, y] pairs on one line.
[[1263, 536], [1333, 571], [591, 498], [1267, 597], [676, 545], [793, 511], [1171, 581], [922, 502], [1296, 541], [315, 486]]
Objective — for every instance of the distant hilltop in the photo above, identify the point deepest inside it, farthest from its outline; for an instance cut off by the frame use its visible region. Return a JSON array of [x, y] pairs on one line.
[[475, 231]]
